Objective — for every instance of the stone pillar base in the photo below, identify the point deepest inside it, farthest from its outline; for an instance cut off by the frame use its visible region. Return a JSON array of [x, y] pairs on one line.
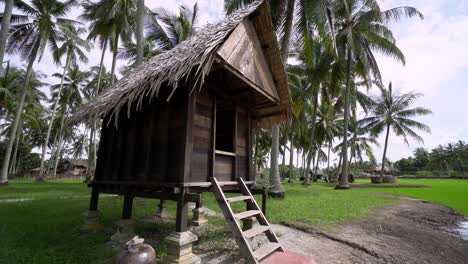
[[91, 222], [249, 223], [124, 232], [179, 248], [199, 216], [162, 212]]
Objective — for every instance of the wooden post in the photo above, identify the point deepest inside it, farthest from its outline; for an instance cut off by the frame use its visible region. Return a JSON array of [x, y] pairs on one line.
[[264, 199], [127, 207], [93, 202], [182, 213]]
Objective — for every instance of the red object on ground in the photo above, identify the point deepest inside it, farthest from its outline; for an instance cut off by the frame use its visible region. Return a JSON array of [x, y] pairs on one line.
[[288, 258]]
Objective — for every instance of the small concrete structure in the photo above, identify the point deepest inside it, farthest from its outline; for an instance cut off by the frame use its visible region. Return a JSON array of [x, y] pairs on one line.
[[199, 216], [91, 221], [179, 248]]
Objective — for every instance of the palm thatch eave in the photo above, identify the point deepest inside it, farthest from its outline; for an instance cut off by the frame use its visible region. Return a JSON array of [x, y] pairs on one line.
[[192, 59]]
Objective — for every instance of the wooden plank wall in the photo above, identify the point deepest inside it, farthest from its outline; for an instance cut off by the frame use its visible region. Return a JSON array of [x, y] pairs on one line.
[[147, 147], [202, 137], [242, 149]]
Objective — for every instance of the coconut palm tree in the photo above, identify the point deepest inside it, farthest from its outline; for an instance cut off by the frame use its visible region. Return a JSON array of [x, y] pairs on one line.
[[31, 39], [72, 49], [360, 31], [167, 29], [110, 20], [72, 84], [7, 17], [315, 62], [393, 111]]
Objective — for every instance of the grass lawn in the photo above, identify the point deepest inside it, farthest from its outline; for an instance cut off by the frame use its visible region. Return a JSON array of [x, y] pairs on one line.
[[451, 193], [45, 228]]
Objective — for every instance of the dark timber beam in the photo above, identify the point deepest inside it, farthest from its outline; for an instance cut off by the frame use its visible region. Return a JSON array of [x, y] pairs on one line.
[[182, 213], [93, 202], [127, 207]]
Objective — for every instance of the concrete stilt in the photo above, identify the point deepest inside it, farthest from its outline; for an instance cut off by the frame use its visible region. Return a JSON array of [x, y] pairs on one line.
[[199, 215], [180, 248], [162, 211], [91, 221]]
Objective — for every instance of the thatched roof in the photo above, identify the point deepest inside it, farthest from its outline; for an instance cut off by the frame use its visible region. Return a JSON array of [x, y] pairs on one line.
[[193, 59]]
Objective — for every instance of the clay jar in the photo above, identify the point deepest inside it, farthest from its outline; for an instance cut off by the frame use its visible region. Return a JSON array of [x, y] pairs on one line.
[[136, 252]]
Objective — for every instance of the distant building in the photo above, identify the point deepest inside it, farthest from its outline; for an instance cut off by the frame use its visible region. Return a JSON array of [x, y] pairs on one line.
[[72, 167]]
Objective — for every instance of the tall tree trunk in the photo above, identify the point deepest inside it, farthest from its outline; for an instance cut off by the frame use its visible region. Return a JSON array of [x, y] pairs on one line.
[[291, 159], [5, 27], [92, 155], [385, 151], [328, 161], [19, 111], [277, 190], [312, 128], [15, 152], [114, 56], [140, 16], [343, 182], [338, 176], [283, 162], [307, 176], [52, 117], [60, 142], [316, 166]]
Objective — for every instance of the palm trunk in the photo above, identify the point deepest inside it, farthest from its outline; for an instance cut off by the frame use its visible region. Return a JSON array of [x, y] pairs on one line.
[[306, 176], [60, 142], [15, 152], [283, 162], [5, 27], [19, 111], [316, 166], [339, 168], [140, 16], [385, 151], [54, 110], [328, 161], [92, 156], [291, 159], [277, 190], [343, 182], [114, 57]]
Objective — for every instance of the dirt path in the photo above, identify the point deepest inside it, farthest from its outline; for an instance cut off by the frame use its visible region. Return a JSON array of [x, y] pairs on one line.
[[414, 231]]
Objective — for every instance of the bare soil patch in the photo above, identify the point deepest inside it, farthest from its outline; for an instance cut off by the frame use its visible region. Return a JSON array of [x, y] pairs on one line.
[[413, 231]]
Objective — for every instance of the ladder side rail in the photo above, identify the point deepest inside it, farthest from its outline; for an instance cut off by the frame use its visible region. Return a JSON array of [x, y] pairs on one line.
[[262, 219], [246, 251]]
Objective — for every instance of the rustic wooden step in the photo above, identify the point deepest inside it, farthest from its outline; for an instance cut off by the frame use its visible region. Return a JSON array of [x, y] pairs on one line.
[[228, 183], [246, 214], [238, 198], [265, 250], [255, 231]]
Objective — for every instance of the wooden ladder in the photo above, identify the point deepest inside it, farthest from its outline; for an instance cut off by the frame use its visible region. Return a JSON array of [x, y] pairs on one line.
[[233, 219]]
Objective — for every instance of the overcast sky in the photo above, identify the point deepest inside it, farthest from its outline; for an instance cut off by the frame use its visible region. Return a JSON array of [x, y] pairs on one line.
[[436, 51]]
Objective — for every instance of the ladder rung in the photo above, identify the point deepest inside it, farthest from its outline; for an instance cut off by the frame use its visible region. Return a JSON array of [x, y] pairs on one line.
[[238, 198], [246, 214], [255, 231], [228, 183], [265, 250]]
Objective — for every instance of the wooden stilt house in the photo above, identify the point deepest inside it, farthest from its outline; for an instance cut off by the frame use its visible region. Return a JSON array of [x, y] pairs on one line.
[[182, 123]]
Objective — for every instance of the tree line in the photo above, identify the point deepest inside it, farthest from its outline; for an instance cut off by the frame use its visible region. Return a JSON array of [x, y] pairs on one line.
[[450, 159], [328, 48]]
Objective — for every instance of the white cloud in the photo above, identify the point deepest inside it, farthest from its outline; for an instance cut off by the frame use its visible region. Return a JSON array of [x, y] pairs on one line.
[[436, 50]]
